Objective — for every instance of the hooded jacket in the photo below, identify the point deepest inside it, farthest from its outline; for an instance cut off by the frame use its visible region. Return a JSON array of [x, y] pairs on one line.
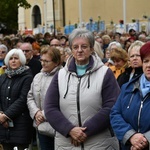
[[73, 100], [131, 113]]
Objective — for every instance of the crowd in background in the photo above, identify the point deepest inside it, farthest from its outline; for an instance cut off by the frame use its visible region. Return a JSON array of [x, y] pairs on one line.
[[119, 52]]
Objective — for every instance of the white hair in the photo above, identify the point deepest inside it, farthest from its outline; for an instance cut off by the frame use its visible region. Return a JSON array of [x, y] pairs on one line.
[[4, 47], [17, 52], [137, 43], [118, 45]]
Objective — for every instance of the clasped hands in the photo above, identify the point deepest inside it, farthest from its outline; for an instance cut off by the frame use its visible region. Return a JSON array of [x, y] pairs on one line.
[[138, 142], [39, 117], [77, 135]]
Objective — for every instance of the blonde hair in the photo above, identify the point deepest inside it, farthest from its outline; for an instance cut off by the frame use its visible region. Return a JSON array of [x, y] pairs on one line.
[[119, 53]]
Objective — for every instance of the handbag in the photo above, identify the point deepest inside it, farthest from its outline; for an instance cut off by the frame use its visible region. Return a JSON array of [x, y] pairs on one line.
[[46, 129]]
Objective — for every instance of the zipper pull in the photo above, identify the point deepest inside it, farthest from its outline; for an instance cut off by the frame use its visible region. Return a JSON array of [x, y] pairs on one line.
[[141, 104]]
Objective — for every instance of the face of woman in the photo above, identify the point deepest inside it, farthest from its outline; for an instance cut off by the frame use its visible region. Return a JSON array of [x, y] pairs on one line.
[[81, 50], [135, 58], [47, 64], [119, 63], [107, 54], [146, 66], [14, 62]]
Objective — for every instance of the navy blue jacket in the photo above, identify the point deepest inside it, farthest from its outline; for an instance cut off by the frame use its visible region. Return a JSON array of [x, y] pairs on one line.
[[131, 113], [13, 102]]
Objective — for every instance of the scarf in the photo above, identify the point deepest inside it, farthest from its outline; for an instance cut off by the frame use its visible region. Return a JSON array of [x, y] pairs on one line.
[[10, 72], [144, 85]]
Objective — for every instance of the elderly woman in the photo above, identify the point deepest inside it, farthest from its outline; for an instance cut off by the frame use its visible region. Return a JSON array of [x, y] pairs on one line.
[[50, 60], [77, 103], [135, 62], [120, 61], [15, 121], [130, 115]]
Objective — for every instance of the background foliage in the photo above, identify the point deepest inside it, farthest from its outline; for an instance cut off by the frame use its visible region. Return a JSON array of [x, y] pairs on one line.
[[9, 15]]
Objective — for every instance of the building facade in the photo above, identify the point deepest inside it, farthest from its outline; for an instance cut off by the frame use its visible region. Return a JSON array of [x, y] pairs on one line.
[[41, 15]]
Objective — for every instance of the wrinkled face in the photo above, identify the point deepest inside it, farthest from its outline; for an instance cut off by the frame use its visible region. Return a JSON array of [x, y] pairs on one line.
[[27, 51], [135, 58], [81, 50], [47, 64], [146, 67], [14, 62]]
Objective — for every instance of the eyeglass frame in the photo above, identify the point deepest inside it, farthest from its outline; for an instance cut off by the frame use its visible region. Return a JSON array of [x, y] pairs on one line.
[[26, 50], [45, 61]]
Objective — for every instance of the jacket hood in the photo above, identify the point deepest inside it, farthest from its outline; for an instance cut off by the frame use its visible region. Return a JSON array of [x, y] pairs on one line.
[[95, 63]]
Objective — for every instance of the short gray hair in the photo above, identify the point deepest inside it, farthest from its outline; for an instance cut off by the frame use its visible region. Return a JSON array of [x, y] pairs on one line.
[[4, 47], [17, 52], [84, 33]]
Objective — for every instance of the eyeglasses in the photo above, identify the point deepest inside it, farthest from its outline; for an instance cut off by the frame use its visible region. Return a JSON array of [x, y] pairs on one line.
[[45, 61], [2, 52], [82, 47], [26, 51]]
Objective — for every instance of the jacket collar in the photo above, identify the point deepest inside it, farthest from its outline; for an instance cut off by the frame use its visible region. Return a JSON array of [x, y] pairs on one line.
[[72, 65]]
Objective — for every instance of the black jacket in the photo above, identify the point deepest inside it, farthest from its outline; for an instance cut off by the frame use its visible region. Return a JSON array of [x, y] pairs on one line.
[[13, 102], [125, 76], [35, 66]]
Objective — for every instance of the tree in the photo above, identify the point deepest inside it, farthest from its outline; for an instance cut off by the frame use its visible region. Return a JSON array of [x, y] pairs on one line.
[[9, 15]]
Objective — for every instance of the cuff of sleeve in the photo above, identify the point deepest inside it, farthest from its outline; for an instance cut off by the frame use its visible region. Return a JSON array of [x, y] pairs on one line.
[[147, 135], [128, 135], [7, 117]]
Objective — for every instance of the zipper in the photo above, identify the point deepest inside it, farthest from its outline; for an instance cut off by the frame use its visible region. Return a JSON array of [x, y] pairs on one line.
[[140, 110], [78, 108]]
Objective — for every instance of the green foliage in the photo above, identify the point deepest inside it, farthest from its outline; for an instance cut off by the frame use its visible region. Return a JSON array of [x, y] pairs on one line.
[[9, 13]]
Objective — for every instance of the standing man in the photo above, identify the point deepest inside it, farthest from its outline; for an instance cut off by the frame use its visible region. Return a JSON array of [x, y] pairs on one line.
[[34, 64]]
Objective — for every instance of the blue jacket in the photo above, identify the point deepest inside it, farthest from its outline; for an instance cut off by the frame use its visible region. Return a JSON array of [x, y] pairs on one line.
[[131, 113]]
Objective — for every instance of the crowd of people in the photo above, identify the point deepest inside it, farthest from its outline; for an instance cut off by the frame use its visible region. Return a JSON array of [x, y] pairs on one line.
[[93, 89]]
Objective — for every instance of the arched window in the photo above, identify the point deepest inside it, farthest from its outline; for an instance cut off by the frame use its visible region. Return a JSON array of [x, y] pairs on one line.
[[36, 16]]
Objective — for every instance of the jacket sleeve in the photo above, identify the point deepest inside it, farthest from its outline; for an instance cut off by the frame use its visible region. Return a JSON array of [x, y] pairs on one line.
[[110, 91], [31, 101], [122, 129], [52, 110]]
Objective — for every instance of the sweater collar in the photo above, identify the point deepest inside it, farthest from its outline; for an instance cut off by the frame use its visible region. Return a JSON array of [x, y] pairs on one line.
[[72, 65]]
